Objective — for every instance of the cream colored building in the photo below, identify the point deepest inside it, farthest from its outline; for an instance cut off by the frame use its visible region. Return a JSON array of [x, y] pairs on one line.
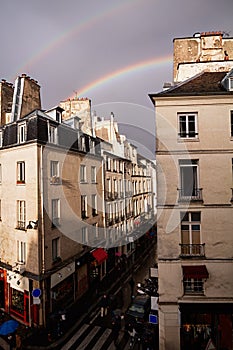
[[194, 152]]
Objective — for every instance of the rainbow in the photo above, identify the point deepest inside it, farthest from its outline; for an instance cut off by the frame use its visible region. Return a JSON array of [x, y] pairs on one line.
[[86, 24], [142, 65]]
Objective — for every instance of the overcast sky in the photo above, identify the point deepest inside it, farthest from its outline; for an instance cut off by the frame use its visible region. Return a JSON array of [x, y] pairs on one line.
[[114, 52]]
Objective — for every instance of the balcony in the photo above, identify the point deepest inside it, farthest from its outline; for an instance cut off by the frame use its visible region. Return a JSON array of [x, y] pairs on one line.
[[21, 225], [192, 250], [109, 196], [190, 195]]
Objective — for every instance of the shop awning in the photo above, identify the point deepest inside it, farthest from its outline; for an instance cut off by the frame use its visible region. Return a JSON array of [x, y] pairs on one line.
[[197, 271], [100, 255]]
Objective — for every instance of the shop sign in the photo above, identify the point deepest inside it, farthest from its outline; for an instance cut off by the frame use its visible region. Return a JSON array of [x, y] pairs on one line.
[[18, 282], [62, 274]]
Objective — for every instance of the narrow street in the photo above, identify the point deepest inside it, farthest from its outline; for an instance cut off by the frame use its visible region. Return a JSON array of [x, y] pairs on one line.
[[97, 332]]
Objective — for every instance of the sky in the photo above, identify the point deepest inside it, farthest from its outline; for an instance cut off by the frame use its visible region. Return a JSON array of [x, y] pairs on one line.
[[114, 52]]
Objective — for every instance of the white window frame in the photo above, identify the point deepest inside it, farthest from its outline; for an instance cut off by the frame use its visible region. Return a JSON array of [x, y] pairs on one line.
[[187, 134], [83, 173], [194, 165], [21, 214], [21, 172], [193, 285], [21, 251], [52, 134], [22, 132], [56, 212], [93, 174]]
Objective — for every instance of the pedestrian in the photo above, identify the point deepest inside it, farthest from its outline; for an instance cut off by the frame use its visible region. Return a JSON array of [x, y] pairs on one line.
[[116, 328], [104, 304], [132, 283]]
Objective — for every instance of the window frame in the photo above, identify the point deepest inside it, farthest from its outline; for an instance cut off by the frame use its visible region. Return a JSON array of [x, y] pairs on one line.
[[1, 138], [231, 123], [21, 251], [93, 175], [22, 132], [94, 204], [84, 206], [84, 235], [194, 165], [55, 212], [83, 173], [21, 172], [56, 248], [187, 133], [52, 134], [193, 286], [21, 214]]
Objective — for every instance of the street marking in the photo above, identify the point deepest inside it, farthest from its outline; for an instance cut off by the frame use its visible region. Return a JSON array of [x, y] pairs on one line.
[[75, 337], [103, 338], [98, 313], [88, 339]]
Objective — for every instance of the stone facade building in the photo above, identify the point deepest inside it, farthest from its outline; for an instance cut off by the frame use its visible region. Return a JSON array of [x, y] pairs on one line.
[[194, 156]]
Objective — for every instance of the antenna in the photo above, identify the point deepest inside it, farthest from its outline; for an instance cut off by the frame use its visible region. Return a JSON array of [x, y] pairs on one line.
[[76, 93]]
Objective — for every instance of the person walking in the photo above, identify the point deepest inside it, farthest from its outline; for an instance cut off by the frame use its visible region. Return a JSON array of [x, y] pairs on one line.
[[104, 304]]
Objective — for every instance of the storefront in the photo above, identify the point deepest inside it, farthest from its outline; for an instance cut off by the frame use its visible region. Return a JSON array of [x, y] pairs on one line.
[[19, 296], [62, 287], [202, 323]]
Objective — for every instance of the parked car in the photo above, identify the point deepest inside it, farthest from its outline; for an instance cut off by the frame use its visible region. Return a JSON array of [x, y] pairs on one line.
[[138, 311]]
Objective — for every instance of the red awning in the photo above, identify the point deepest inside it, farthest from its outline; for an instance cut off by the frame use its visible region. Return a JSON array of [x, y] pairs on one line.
[[198, 271], [100, 255]]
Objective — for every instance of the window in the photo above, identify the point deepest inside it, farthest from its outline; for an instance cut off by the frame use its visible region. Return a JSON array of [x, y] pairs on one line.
[[84, 207], [21, 215], [54, 172], [92, 146], [189, 180], [193, 286], [52, 134], [20, 172], [83, 173], [55, 212], [94, 204], [21, 133], [95, 230], [191, 234], [230, 83], [0, 173], [108, 161], [82, 144], [0, 209], [21, 252], [93, 174], [55, 248], [187, 125], [84, 235], [231, 123], [1, 138]]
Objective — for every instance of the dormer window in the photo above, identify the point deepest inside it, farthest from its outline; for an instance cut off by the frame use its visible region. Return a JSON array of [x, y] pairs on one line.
[[21, 132], [52, 134]]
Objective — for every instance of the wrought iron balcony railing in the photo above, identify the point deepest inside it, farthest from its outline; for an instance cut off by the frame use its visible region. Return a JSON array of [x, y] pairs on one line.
[[192, 250], [186, 195]]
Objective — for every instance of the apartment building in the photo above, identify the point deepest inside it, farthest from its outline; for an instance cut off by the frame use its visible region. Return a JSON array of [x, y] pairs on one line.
[[194, 156], [51, 207]]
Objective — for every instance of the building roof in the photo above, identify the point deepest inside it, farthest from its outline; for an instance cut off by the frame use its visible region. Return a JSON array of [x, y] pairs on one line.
[[205, 83]]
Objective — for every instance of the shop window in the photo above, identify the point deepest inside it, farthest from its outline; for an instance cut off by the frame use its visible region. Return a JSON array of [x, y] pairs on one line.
[[17, 302], [20, 172]]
